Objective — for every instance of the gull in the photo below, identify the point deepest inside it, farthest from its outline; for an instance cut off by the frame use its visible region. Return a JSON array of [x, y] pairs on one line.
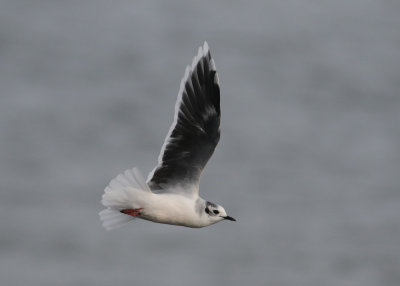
[[171, 193]]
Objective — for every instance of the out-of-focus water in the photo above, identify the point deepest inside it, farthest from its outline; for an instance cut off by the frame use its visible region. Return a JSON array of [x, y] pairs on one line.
[[308, 160]]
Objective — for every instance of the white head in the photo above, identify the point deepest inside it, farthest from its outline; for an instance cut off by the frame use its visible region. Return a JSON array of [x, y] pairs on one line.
[[215, 213]]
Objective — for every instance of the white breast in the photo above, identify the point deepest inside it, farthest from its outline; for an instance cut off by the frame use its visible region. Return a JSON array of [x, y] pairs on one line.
[[173, 209]]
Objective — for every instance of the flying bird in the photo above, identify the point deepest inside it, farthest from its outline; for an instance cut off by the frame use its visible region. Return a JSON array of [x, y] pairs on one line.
[[171, 193]]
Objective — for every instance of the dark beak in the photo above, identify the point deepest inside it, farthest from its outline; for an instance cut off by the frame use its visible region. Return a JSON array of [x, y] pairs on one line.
[[229, 218]]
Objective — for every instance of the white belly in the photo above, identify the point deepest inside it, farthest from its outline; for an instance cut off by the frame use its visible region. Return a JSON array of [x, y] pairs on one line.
[[172, 209]]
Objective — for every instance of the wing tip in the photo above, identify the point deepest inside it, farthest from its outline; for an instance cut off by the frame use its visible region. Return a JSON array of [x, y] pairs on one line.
[[203, 52], [206, 47]]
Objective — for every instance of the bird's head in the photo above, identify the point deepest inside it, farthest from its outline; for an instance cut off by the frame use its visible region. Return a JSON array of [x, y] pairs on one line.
[[216, 213]]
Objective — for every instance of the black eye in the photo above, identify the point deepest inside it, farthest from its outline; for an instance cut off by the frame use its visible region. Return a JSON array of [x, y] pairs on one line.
[[207, 210], [216, 212]]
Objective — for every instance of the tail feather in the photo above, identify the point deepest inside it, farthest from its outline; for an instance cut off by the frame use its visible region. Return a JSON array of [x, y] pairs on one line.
[[121, 194], [113, 218], [130, 178]]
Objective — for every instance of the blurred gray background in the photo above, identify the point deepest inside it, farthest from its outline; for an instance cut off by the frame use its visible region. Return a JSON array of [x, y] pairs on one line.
[[308, 160]]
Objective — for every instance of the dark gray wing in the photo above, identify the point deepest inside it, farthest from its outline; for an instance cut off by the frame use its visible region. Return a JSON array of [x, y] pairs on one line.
[[195, 132]]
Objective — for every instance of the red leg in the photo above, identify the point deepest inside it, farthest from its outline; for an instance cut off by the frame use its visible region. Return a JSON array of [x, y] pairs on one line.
[[132, 212]]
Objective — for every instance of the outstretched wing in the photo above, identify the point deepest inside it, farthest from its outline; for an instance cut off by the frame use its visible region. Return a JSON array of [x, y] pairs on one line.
[[195, 131]]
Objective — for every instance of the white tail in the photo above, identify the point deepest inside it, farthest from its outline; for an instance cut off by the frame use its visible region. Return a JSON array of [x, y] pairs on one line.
[[121, 193]]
